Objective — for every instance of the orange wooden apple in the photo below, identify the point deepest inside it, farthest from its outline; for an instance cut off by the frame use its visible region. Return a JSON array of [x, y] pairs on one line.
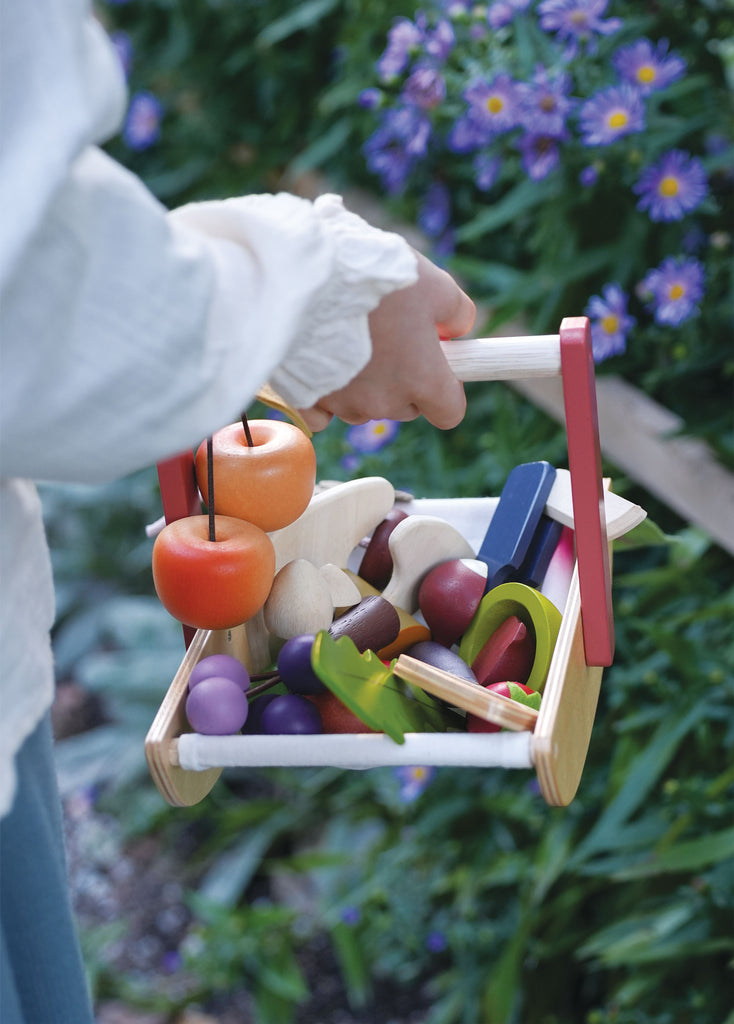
[[212, 584], [269, 483]]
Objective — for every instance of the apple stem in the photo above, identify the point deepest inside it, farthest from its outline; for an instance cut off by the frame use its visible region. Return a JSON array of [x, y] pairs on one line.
[[248, 435], [267, 685], [210, 486]]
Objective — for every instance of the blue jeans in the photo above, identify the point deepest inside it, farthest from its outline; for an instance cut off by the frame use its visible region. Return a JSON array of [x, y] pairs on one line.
[[42, 979]]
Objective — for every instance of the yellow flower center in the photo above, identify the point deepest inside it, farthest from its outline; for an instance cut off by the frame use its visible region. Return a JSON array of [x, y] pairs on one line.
[[618, 119], [676, 291], [646, 74], [494, 104], [379, 428], [610, 324], [668, 186]]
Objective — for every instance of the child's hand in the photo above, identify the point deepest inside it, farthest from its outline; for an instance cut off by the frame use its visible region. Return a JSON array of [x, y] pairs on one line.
[[408, 374]]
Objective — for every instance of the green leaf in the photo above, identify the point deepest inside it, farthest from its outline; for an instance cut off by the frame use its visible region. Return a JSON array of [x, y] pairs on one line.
[[645, 534], [352, 963], [302, 17], [524, 197], [370, 690], [232, 872], [641, 777], [692, 855]]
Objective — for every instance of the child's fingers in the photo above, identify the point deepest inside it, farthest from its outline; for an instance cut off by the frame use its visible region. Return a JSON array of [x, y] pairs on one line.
[[443, 402], [453, 311], [316, 418]]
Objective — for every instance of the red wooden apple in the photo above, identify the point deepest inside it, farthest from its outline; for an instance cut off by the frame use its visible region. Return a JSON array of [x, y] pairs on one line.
[[450, 595], [269, 483], [337, 717], [476, 724], [213, 584]]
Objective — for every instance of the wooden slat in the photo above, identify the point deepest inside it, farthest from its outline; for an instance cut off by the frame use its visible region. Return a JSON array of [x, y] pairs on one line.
[[637, 435]]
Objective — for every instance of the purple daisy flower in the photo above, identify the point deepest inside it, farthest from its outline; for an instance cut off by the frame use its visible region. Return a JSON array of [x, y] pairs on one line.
[[372, 436], [351, 915], [425, 88], [466, 134], [143, 122], [589, 175], [503, 12], [434, 215], [577, 22], [673, 290], [540, 155], [544, 103], [403, 39], [493, 104], [648, 67], [370, 99], [393, 148], [610, 322], [413, 780], [486, 170], [672, 187], [436, 941], [611, 114], [439, 41]]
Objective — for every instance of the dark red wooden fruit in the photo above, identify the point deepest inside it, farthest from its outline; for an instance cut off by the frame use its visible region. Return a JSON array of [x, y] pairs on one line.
[[449, 596], [377, 565]]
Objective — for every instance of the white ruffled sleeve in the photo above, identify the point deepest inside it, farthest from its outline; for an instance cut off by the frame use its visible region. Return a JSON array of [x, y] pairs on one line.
[[347, 267]]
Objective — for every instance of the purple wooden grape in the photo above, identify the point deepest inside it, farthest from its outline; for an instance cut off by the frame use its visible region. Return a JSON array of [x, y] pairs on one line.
[[216, 707], [292, 715], [254, 724], [294, 665], [441, 657], [224, 666]]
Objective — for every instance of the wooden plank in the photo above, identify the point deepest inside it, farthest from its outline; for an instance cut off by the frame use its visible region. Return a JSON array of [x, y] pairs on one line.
[[485, 704], [636, 435]]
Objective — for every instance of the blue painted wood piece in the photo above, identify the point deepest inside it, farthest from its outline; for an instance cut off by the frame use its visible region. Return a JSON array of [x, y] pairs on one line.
[[515, 520], [540, 551]]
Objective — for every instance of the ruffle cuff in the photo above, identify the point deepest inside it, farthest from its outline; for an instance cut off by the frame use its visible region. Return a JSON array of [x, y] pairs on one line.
[[333, 343]]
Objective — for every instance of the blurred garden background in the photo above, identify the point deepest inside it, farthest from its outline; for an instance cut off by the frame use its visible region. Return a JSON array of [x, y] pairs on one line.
[[563, 157]]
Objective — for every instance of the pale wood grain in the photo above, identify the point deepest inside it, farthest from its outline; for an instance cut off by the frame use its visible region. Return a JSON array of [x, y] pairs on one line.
[[471, 697]]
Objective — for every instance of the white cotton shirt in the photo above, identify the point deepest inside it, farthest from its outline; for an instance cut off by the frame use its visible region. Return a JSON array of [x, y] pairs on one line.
[[128, 333]]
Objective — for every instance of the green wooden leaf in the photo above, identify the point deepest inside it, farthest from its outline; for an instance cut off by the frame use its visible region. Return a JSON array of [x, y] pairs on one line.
[[372, 692]]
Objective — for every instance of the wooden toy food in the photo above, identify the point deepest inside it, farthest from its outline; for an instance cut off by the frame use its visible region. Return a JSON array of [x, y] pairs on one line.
[[377, 565], [264, 472], [449, 596], [513, 691], [513, 525], [201, 581], [553, 739]]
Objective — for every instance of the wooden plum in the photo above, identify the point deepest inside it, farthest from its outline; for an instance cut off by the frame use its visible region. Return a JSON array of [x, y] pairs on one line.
[[449, 597], [377, 564]]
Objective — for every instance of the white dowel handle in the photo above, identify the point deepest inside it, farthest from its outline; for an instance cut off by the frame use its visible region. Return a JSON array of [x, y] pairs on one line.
[[504, 358]]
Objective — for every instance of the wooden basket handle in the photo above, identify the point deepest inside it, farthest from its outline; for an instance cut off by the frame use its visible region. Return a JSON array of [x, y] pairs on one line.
[[567, 354]]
